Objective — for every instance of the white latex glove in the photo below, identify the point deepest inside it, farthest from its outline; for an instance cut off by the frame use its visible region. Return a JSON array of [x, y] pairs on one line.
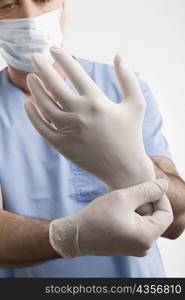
[[110, 226], [100, 136]]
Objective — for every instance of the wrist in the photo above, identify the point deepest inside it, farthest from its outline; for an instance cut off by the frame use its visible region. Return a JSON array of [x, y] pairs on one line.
[[141, 171], [63, 234], [52, 253]]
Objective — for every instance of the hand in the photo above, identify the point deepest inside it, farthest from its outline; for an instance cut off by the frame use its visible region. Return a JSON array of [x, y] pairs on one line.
[[110, 226], [98, 135]]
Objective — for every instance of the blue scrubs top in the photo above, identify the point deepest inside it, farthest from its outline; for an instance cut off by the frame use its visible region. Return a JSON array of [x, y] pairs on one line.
[[38, 182]]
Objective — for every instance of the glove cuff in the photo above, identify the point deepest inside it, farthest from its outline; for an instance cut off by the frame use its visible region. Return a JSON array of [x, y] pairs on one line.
[[63, 235]]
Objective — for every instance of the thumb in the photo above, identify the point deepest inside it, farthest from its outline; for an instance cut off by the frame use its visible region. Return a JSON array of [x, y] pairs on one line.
[[161, 218], [148, 192]]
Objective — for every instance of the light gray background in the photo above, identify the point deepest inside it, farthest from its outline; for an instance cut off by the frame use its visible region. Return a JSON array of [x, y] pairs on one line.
[[151, 34]]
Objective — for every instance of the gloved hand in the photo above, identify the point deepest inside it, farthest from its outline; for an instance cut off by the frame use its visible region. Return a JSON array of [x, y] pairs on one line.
[[110, 226], [100, 136]]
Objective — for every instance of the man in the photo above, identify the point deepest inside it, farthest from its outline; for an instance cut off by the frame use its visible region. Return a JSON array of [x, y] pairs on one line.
[[49, 187]]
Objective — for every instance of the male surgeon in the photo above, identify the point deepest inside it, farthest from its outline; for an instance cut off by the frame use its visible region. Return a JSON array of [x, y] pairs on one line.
[[40, 185]]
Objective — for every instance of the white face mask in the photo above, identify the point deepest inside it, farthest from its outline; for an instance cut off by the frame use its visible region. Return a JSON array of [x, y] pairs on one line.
[[21, 38]]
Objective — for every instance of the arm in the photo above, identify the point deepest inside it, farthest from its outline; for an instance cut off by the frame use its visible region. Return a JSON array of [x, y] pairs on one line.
[[23, 241], [165, 168], [1, 199]]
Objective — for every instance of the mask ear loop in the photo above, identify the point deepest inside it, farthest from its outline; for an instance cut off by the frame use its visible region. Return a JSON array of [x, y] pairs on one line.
[[62, 14], [62, 7]]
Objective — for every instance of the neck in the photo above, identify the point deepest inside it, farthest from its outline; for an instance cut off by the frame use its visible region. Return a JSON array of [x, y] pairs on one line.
[[18, 77]]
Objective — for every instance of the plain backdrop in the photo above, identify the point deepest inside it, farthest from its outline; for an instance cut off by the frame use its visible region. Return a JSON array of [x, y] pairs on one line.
[[151, 34]]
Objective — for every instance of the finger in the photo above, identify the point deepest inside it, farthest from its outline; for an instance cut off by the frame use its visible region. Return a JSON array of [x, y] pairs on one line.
[[83, 83], [148, 192], [44, 102], [32, 99], [129, 83], [40, 125], [54, 82], [161, 218]]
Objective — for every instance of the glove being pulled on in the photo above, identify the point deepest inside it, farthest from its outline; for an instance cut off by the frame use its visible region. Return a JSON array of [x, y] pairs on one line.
[[98, 135]]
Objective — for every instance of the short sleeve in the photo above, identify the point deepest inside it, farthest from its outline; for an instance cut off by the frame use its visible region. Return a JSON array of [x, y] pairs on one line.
[[155, 142]]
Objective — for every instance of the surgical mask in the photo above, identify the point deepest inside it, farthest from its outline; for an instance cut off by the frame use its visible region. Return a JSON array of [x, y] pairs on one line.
[[21, 38]]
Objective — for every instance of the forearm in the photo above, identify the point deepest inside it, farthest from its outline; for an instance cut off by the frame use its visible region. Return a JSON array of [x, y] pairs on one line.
[[165, 168], [1, 199], [23, 241], [176, 188]]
